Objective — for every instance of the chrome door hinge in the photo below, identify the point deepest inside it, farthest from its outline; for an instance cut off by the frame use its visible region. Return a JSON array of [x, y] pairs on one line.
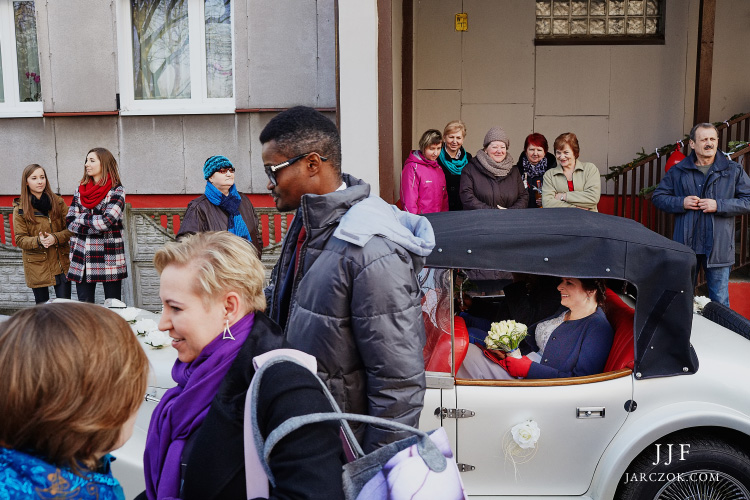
[[590, 412], [465, 467], [443, 412]]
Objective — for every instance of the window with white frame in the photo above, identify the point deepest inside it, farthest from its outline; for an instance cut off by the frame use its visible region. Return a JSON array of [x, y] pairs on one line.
[[176, 56], [20, 80]]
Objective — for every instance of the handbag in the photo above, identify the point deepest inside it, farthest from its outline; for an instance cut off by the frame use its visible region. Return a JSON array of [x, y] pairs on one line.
[[418, 467]]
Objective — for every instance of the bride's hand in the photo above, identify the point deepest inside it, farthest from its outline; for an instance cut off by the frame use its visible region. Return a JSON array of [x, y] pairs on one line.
[[500, 354]]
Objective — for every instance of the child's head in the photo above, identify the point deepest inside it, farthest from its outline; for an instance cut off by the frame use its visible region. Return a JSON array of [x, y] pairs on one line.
[[72, 377], [430, 144], [34, 182]]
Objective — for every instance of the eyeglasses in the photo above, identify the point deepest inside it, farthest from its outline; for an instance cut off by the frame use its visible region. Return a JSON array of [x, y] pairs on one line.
[[224, 170], [272, 169]]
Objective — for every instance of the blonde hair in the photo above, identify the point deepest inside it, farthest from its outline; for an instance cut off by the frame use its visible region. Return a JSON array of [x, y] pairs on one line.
[[71, 375], [453, 126], [224, 263], [429, 138]]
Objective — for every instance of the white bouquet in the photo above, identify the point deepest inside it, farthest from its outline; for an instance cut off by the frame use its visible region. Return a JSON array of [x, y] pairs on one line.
[[506, 336]]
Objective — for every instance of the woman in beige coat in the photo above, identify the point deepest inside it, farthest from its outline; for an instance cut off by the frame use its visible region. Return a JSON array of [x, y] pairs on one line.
[[572, 183], [42, 235]]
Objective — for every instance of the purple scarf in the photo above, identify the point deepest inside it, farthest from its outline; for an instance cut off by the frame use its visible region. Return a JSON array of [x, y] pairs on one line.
[[183, 408]]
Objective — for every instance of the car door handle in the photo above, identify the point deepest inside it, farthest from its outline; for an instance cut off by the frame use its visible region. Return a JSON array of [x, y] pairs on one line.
[[590, 412]]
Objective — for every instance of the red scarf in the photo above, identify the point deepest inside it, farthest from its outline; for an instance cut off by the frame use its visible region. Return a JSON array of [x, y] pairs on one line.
[[91, 194]]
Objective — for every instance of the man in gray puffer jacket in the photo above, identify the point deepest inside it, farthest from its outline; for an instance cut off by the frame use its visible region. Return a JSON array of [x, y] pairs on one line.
[[345, 287]]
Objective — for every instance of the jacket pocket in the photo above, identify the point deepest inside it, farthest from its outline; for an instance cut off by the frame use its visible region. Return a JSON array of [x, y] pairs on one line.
[[34, 257]]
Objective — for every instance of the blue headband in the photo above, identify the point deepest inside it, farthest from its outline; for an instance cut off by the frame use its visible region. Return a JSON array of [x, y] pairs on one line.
[[215, 163]]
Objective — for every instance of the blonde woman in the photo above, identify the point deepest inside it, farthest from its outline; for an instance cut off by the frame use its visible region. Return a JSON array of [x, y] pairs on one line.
[[453, 158], [42, 235], [211, 285], [72, 377]]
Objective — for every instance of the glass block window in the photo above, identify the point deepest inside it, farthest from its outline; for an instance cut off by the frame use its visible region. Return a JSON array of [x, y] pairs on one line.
[[605, 21]]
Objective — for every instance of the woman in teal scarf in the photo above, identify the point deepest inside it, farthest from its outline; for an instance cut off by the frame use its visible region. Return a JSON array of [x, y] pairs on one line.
[[221, 207], [453, 158]]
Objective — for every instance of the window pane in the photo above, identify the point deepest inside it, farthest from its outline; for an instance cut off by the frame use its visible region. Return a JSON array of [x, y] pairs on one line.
[[161, 49], [218, 48], [29, 86]]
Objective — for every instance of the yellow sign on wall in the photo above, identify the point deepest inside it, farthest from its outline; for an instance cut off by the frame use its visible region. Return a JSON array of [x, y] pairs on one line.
[[462, 22]]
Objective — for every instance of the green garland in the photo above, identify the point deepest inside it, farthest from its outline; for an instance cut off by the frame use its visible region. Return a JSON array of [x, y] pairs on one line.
[[733, 146], [667, 149]]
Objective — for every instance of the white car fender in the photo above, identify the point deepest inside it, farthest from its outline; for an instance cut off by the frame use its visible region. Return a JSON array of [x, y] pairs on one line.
[[640, 431]]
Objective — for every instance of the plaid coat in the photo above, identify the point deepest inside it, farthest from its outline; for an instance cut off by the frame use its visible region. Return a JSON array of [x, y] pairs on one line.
[[96, 247]]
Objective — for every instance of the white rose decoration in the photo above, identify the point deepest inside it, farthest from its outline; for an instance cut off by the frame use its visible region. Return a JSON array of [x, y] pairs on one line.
[[128, 314], [158, 339], [144, 325], [526, 434]]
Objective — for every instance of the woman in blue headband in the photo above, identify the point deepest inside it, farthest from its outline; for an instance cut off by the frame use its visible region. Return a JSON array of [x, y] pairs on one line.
[[221, 207]]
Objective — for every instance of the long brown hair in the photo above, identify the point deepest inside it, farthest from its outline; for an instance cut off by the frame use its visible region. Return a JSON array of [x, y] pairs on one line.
[[28, 209], [71, 376], [109, 168]]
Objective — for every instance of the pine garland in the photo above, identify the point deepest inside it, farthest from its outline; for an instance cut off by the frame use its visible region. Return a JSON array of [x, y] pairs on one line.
[[666, 149]]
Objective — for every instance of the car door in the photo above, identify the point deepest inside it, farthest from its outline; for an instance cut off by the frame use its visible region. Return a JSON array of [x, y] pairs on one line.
[[577, 422]]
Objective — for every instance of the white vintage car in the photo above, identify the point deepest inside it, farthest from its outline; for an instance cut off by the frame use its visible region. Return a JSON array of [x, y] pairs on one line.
[[670, 417]]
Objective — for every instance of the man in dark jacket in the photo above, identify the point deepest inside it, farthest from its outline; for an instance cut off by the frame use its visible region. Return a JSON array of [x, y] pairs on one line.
[[706, 191], [345, 288]]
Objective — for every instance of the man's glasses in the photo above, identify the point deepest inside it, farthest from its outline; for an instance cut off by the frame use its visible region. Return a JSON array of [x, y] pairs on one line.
[[224, 170], [272, 169]]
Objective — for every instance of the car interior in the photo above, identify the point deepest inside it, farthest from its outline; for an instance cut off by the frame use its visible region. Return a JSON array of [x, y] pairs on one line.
[[444, 295]]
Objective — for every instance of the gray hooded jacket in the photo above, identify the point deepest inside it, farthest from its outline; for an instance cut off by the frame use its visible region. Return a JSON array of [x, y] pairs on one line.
[[355, 303]]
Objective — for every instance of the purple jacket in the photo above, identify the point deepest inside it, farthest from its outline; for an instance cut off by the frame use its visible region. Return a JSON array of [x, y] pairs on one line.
[[423, 189]]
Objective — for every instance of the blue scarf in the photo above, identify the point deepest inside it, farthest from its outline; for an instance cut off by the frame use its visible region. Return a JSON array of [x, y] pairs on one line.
[[454, 165], [24, 476], [534, 170], [231, 205]]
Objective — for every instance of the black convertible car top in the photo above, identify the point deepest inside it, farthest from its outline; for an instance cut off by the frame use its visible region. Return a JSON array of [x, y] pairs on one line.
[[582, 244]]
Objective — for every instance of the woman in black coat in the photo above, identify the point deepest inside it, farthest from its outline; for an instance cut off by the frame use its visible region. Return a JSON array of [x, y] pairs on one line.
[[489, 180], [194, 447]]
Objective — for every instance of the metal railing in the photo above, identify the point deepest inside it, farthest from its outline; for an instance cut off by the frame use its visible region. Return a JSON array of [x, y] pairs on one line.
[[632, 181]]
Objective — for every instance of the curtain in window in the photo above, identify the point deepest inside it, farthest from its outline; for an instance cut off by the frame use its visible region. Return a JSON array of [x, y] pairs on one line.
[[218, 48], [29, 86], [161, 49]]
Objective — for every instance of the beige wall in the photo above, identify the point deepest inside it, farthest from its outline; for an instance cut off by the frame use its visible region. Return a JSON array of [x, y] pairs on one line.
[[616, 98]]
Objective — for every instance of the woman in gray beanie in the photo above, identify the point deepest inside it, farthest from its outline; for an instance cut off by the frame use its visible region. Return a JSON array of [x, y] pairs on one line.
[[489, 179]]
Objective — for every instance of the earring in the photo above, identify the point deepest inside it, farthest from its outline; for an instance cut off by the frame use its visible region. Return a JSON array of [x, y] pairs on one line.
[[227, 332]]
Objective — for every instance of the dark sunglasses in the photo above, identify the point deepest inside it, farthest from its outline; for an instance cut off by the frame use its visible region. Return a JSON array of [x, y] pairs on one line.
[[272, 169], [224, 170]]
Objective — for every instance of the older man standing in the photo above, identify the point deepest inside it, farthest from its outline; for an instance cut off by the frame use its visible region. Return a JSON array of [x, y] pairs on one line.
[[345, 287], [706, 191]]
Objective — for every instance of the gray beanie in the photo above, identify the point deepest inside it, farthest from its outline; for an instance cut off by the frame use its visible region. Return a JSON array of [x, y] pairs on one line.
[[496, 134]]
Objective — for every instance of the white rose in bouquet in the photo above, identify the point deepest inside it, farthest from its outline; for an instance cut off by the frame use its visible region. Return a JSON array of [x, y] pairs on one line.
[[506, 336], [128, 314]]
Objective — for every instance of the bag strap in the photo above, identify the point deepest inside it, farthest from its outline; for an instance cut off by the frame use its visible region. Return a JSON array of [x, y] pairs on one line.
[[255, 467], [257, 470], [427, 449]]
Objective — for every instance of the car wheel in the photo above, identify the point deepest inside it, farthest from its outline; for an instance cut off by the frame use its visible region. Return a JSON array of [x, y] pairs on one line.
[[723, 316], [711, 469]]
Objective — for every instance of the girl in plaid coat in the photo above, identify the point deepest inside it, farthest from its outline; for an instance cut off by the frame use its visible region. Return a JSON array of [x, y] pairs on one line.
[[97, 252]]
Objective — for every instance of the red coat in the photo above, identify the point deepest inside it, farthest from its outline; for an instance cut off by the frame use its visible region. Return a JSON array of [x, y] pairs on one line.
[[423, 189]]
